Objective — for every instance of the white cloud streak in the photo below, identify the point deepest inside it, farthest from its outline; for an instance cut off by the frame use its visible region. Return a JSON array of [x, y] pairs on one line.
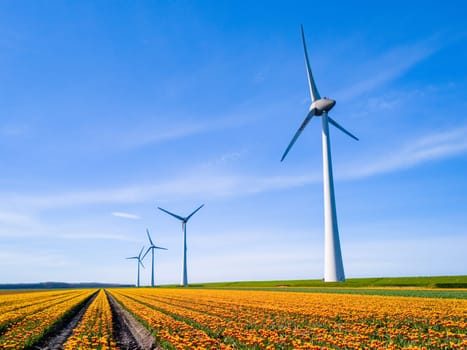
[[207, 185], [126, 215], [388, 67], [134, 136], [13, 218], [34, 258], [428, 148], [98, 236], [405, 256], [198, 185]]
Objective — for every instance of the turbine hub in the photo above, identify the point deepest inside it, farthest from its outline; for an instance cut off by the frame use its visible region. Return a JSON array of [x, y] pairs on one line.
[[322, 105]]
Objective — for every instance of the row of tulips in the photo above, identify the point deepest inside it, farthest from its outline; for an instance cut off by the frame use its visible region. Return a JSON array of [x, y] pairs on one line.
[[31, 319], [95, 328], [274, 320]]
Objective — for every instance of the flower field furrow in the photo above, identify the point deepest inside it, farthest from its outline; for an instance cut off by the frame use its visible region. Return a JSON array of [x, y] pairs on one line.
[[9, 315], [33, 325], [170, 332], [274, 320], [95, 328]]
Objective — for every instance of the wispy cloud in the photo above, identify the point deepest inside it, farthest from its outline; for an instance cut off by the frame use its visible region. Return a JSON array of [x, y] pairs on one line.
[[389, 257], [8, 218], [146, 133], [19, 224], [207, 185], [97, 236], [388, 67], [228, 157], [424, 149], [382, 103], [126, 215], [34, 258], [198, 185]]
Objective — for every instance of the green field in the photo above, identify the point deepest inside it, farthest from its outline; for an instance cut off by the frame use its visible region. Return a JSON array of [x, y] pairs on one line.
[[431, 287]]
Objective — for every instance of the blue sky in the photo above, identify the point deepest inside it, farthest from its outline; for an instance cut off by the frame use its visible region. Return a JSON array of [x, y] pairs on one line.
[[109, 109]]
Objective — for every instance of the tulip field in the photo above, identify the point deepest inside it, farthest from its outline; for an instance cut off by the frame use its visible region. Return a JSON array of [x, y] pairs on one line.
[[226, 319], [188, 318]]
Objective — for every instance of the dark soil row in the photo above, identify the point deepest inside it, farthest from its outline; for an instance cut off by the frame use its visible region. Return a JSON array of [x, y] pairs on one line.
[[129, 334], [58, 334]]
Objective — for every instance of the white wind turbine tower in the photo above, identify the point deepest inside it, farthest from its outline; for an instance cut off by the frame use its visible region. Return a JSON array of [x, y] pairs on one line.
[[140, 262], [333, 266], [184, 220], [151, 248]]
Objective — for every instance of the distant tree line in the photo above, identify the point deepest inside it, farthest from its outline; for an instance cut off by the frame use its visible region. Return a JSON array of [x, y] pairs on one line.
[[62, 285]]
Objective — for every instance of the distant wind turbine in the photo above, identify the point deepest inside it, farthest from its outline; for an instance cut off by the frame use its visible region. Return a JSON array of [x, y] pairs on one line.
[[333, 266], [184, 220], [140, 262], [151, 248]]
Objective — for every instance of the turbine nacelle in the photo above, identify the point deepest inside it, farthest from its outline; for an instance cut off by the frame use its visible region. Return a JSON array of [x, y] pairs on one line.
[[322, 105]]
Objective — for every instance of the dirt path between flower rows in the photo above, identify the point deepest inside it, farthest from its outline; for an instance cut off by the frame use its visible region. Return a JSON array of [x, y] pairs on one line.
[[63, 330], [128, 333]]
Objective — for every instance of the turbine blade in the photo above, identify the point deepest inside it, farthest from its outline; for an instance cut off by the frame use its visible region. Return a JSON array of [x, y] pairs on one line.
[[336, 124], [149, 236], [139, 261], [189, 216], [147, 251], [139, 255], [156, 247], [172, 214], [311, 83], [132, 257], [299, 131]]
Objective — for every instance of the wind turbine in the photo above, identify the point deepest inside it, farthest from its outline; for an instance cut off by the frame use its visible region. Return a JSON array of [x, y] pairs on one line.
[[184, 220], [151, 248], [140, 262], [333, 266]]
